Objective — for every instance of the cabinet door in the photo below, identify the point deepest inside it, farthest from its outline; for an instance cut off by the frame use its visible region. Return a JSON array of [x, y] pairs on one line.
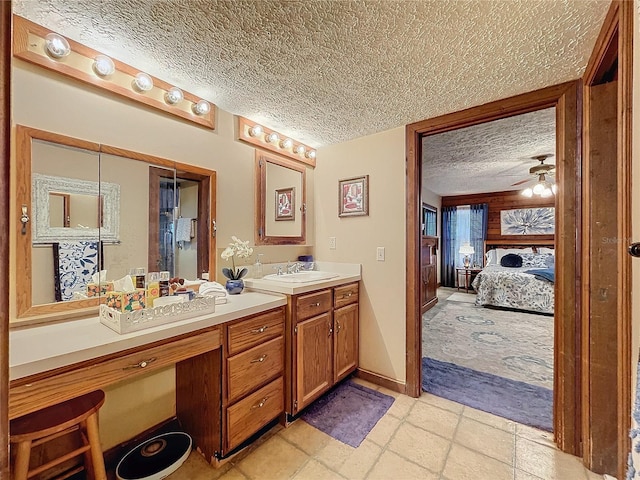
[[345, 343], [314, 342]]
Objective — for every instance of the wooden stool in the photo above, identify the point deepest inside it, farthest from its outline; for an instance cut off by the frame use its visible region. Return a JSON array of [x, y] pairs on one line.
[[52, 422]]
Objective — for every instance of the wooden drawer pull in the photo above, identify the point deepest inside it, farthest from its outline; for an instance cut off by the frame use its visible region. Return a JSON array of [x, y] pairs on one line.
[[140, 364], [339, 327], [346, 295], [260, 404], [317, 304], [261, 329], [260, 359]]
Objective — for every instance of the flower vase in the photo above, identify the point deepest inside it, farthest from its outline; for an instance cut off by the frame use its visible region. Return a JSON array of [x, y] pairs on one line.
[[234, 287]]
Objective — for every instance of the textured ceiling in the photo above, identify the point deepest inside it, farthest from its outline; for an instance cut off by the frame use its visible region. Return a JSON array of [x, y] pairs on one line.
[[326, 71], [489, 157]]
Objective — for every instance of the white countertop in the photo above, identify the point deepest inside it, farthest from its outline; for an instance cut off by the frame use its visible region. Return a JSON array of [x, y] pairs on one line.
[[40, 348], [347, 272]]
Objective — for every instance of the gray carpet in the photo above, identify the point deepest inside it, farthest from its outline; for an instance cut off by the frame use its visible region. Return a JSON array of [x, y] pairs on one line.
[[513, 345]]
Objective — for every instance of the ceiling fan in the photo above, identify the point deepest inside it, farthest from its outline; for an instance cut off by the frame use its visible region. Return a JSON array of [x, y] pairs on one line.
[[539, 171]]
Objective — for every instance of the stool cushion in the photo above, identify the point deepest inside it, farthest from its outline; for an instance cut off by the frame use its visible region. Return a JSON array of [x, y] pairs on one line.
[[56, 418]]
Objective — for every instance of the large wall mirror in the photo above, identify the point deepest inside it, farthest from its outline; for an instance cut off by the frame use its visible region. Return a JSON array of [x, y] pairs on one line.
[[280, 200], [83, 207]]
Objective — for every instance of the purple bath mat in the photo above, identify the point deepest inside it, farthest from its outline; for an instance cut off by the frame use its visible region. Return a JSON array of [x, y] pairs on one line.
[[517, 401], [348, 413]]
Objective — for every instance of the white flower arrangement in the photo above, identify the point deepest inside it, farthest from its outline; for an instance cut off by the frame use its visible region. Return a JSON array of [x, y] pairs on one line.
[[240, 249]]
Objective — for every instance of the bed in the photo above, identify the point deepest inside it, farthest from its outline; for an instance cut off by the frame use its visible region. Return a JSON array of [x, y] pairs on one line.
[[529, 287]]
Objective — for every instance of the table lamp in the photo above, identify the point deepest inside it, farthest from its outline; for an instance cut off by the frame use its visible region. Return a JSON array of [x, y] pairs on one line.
[[466, 250]]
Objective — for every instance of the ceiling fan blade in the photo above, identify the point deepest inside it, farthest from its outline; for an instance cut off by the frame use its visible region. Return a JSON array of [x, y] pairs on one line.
[[526, 180]]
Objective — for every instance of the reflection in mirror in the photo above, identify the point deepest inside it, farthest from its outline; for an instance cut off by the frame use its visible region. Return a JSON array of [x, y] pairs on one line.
[[80, 228], [429, 220], [280, 200]]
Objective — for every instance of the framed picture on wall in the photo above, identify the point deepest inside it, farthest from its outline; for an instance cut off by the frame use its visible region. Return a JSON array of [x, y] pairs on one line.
[[353, 196], [528, 221], [285, 204]]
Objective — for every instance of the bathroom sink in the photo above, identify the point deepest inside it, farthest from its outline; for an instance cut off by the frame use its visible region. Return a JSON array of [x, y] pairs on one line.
[[300, 277]]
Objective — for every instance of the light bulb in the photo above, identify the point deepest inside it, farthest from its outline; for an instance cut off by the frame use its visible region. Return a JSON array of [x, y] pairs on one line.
[[272, 138], [527, 192], [201, 108], [310, 154], [142, 82], [300, 150], [287, 143], [56, 45], [546, 193], [174, 95], [539, 188], [103, 66], [554, 188], [255, 131]]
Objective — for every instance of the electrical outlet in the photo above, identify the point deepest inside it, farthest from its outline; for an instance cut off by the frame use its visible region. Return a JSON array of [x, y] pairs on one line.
[[332, 243], [380, 254]]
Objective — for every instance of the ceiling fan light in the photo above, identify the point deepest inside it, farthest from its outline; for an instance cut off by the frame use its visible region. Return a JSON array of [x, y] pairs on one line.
[[527, 192], [554, 188], [538, 188], [546, 193]]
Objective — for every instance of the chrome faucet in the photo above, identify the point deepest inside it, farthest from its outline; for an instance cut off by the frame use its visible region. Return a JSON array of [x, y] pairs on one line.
[[278, 269], [293, 267]]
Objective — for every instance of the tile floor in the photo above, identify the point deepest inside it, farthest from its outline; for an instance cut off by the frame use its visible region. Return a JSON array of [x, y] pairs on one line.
[[428, 438]]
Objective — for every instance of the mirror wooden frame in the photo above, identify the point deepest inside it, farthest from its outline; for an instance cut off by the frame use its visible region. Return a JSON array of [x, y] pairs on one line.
[[261, 238], [24, 311]]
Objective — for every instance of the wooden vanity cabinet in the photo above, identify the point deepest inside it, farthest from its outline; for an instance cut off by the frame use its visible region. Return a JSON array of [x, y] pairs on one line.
[[253, 387], [323, 329]]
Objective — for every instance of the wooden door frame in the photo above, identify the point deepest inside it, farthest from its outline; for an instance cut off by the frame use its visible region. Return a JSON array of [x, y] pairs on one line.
[[613, 46], [566, 99], [5, 142]]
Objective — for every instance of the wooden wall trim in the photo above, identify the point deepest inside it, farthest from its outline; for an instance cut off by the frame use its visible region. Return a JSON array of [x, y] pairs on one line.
[[381, 380], [5, 142], [563, 96]]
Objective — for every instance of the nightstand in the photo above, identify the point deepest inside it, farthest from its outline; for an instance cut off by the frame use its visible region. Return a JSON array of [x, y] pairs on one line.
[[465, 276]]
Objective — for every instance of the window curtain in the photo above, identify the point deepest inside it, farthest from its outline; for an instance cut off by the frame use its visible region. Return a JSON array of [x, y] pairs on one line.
[[478, 231], [449, 253]]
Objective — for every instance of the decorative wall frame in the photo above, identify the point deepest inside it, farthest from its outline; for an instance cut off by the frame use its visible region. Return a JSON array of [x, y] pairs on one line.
[[285, 204], [353, 196], [528, 221], [43, 232]]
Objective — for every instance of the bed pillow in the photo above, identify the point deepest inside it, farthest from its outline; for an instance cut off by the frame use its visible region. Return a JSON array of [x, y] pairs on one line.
[[535, 260], [511, 260], [494, 255]]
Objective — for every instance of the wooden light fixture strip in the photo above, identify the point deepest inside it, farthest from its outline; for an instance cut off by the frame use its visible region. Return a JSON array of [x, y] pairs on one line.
[[245, 125], [29, 45]]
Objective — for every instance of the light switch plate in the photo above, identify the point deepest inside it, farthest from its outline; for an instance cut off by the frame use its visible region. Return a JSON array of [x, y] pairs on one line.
[[380, 254], [332, 243]]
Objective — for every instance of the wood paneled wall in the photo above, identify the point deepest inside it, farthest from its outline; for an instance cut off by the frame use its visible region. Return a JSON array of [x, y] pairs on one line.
[[499, 201]]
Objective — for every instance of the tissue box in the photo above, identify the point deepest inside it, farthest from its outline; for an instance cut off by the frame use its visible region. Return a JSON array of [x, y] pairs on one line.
[[94, 289], [126, 301]]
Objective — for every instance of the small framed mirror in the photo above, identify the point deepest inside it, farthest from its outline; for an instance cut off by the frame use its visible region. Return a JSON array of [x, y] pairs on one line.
[[280, 201], [429, 220]]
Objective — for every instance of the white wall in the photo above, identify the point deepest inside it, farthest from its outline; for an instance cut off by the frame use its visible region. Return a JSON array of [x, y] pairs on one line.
[[382, 300]]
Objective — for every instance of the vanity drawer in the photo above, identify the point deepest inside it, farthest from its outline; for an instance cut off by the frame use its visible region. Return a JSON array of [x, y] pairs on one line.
[[28, 397], [313, 304], [345, 294], [253, 331], [252, 368], [249, 415]]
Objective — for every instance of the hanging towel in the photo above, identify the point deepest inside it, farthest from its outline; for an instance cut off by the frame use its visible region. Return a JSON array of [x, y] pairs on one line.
[[183, 230]]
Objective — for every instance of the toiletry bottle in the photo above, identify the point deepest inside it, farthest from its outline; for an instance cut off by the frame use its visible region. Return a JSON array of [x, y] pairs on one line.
[[153, 288], [257, 267], [140, 277], [164, 284]]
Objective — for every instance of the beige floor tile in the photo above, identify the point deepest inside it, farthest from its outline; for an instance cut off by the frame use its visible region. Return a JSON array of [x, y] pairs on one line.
[[384, 430], [538, 436], [392, 466], [486, 439], [334, 454], [419, 446], [547, 462], [465, 464], [521, 475], [593, 476], [197, 468], [434, 419], [391, 393], [275, 459], [232, 474], [360, 461], [315, 470], [489, 419], [401, 406], [441, 402], [305, 437]]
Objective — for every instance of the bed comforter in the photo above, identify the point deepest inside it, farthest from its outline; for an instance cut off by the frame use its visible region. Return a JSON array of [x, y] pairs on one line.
[[513, 288]]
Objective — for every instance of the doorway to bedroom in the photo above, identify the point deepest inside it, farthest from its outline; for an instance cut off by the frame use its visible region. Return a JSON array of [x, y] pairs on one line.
[[488, 342]]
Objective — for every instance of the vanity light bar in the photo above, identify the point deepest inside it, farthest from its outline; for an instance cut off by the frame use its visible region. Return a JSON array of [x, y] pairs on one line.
[[36, 44], [267, 139]]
